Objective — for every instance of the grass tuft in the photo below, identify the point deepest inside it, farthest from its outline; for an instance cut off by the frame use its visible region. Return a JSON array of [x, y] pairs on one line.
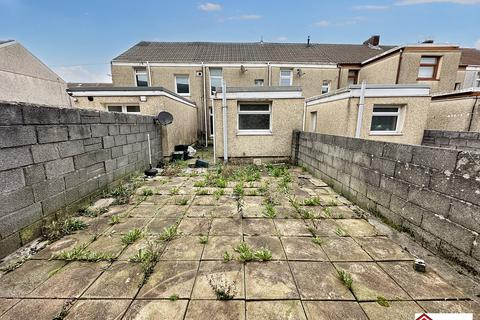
[[383, 302], [203, 239], [169, 233], [57, 229], [346, 278], [81, 253], [114, 220], [132, 236]]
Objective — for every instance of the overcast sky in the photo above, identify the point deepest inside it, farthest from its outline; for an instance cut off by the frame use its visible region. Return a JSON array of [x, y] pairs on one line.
[[78, 38]]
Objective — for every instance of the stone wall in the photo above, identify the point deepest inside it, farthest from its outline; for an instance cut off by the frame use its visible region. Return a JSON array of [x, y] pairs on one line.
[[54, 160], [431, 193], [452, 139]]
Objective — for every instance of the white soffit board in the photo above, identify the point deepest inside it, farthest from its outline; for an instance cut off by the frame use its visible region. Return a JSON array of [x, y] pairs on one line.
[[262, 95]]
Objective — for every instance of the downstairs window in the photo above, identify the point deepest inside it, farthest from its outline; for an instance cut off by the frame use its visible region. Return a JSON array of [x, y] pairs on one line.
[[386, 119], [254, 118]]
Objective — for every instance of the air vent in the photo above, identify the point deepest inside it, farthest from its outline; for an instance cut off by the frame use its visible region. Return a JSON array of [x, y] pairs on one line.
[[199, 73]]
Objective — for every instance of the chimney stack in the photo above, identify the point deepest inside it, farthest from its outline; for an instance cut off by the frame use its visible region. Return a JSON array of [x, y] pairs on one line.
[[308, 41], [373, 41], [428, 41]]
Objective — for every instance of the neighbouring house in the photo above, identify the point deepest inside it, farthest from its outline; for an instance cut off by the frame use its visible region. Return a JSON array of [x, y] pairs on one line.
[[24, 78], [258, 121], [455, 111], [392, 113], [469, 70], [196, 69], [144, 100]]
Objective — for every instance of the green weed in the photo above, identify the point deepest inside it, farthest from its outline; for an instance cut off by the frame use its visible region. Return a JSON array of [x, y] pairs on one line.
[[131, 236], [312, 201], [169, 233], [203, 239], [346, 278], [317, 240], [383, 302], [114, 220], [269, 211]]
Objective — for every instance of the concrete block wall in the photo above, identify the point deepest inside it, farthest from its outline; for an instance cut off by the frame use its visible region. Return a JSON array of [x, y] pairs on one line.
[[452, 139], [54, 160], [432, 193]]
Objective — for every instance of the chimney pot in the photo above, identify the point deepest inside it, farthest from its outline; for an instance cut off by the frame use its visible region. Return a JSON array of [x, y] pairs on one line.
[[373, 41]]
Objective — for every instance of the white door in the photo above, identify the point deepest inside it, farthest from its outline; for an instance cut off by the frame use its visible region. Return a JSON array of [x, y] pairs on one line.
[[313, 121]]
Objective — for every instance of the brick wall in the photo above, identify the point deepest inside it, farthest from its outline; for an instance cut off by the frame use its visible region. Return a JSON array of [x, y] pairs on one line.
[[53, 160], [452, 139], [432, 193]]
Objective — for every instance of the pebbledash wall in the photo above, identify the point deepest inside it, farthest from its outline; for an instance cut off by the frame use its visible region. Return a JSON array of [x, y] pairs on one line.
[[460, 140], [432, 193], [54, 160]]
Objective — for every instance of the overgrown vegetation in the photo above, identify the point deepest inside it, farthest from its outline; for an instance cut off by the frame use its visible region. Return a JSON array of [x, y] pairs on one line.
[[57, 229], [173, 297], [317, 240], [223, 289], [246, 253], [114, 220], [346, 278], [147, 192], [383, 302], [91, 211], [123, 192], [148, 258], [131, 236], [227, 256], [269, 211], [311, 201], [340, 232], [203, 239], [81, 253], [182, 201], [169, 233]]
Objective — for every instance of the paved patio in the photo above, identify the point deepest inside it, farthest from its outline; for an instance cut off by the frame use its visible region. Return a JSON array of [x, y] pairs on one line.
[[309, 245]]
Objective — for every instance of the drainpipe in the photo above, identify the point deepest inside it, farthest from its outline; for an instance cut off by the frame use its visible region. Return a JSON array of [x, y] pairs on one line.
[[214, 132], [304, 115], [269, 74], [149, 74], [361, 106], [472, 114], [205, 104], [224, 111]]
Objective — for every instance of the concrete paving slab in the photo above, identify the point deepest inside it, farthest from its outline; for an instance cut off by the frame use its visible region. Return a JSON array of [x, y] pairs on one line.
[[171, 212], [98, 309], [205, 200], [96, 225], [338, 212], [267, 242], [219, 275], [217, 310], [357, 227], [224, 211], [183, 199], [319, 281], [157, 225], [38, 309], [382, 248], [107, 244], [421, 286], [70, 281], [183, 248], [325, 227], [170, 278], [257, 227], [194, 226], [217, 245], [226, 227], [289, 309], [121, 280], [269, 280], [144, 211], [292, 227], [6, 304], [144, 244], [128, 224], [303, 248], [64, 244], [370, 282], [451, 307], [253, 211], [344, 249], [22, 281], [156, 309], [286, 212], [398, 310], [157, 199], [334, 310]]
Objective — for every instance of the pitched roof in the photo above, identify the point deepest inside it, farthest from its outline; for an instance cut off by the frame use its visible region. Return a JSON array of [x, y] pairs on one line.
[[5, 41], [470, 56], [212, 52], [89, 84]]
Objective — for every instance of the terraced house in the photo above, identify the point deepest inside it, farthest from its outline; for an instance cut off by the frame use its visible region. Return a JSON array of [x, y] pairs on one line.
[[194, 71]]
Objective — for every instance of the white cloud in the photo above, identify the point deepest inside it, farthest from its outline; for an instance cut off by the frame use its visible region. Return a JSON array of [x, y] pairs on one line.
[[477, 44], [210, 6], [81, 74], [323, 23], [415, 2], [242, 17], [370, 7]]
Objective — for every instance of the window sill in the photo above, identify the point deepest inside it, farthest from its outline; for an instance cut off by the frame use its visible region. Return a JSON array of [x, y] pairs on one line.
[[254, 133], [427, 79], [385, 133], [184, 94]]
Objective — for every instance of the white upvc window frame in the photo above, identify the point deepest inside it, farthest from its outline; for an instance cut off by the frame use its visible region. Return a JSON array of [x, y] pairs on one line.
[[477, 79], [326, 85], [400, 119], [254, 131], [188, 81], [140, 71], [257, 82], [124, 107], [289, 77], [313, 121], [215, 77]]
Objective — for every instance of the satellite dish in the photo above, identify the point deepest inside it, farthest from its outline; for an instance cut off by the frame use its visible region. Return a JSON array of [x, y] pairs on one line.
[[165, 118]]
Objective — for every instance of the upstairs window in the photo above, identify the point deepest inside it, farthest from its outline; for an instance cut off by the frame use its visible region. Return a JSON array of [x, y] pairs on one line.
[[124, 108], [325, 86], [216, 77], [254, 118], [182, 85], [352, 77], [477, 80], [428, 68], [286, 78], [385, 119], [141, 77], [259, 82]]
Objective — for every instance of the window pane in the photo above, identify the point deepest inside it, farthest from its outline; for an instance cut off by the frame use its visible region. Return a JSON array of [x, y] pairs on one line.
[[259, 82], [428, 60], [254, 121], [254, 107], [285, 82], [142, 79], [215, 72], [216, 83], [133, 108], [384, 123], [114, 108], [182, 84], [425, 72], [384, 109]]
